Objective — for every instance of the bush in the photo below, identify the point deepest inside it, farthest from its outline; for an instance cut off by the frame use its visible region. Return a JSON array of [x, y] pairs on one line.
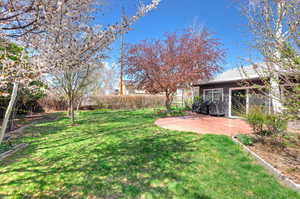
[[171, 113], [276, 124], [197, 99], [244, 139], [256, 119], [53, 103], [27, 98], [188, 103], [266, 124], [127, 102]]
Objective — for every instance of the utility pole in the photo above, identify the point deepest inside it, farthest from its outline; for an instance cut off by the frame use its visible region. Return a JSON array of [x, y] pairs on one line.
[[122, 54]]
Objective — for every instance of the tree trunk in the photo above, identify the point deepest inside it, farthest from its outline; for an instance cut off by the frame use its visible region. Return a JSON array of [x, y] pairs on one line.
[[168, 101], [69, 108], [275, 95], [79, 104], [72, 112], [12, 119], [275, 80], [9, 110], [13, 116]]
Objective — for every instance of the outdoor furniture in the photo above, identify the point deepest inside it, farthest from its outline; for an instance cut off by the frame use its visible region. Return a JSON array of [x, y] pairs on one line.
[[204, 107], [196, 106], [217, 108]]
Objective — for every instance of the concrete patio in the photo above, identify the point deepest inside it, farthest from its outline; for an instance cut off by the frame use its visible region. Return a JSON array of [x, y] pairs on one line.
[[204, 124]]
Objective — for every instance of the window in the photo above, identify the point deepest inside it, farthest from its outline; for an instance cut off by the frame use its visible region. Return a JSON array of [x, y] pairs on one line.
[[213, 94]]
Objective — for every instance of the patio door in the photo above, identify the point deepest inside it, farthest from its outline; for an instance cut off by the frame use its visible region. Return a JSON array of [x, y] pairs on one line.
[[238, 102]]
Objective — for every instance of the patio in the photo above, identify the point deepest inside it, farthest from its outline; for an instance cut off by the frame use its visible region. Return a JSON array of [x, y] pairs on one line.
[[205, 124]]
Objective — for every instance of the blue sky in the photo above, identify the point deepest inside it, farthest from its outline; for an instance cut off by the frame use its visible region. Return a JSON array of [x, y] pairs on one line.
[[219, 16]]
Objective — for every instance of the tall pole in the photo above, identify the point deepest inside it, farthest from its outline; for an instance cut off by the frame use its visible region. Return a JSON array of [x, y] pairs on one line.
[[122, 56], [121, 64]]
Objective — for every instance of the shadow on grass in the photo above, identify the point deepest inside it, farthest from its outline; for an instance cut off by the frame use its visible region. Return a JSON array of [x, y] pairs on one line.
[[122, 154], [147, 165], [130, 160]]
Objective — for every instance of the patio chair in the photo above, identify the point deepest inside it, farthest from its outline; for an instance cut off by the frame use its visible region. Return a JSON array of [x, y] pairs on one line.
[[217, 108]]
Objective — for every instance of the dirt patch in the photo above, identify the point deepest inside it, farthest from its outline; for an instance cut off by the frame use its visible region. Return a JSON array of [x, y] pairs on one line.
[[282, 154]]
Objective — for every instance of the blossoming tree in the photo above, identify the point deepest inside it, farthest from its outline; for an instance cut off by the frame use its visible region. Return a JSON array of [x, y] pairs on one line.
[[72, 48], [34, 22], [162, 66]]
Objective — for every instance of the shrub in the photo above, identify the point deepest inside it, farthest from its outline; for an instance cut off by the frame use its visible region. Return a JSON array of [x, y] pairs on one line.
[[27, 98], [256, 119], [188, 103], [197, 99], [266, 124], [244, 139], [171, 113], [53, 103], [276, 124]]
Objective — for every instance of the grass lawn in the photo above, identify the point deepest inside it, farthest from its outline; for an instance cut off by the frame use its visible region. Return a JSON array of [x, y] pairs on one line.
[[122, 154]]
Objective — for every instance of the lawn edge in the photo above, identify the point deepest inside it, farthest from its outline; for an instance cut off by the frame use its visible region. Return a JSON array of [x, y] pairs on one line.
[[272, 170]]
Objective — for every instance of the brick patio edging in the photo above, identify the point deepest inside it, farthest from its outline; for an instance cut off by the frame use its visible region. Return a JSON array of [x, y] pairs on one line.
[[12, 151], [272, 170]]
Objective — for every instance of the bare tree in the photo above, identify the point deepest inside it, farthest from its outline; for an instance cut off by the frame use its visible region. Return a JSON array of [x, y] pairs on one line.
[[275, 26], [74, 84]]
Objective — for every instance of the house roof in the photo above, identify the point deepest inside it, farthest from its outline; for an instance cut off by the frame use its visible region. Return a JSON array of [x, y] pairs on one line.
[[235, 74]]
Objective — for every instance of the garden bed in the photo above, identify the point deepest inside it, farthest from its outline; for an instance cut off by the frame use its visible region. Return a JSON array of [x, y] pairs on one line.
[[283, 155], [285, 158]]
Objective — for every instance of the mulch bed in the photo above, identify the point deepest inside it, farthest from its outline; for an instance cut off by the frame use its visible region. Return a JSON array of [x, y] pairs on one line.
[[284, 157]]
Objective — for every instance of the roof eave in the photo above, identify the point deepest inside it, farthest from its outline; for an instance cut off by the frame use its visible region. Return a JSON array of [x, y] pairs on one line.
[[224, 81]]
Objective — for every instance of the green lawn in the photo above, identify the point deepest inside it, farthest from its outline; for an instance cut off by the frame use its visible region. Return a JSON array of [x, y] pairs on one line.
[[122, 154]]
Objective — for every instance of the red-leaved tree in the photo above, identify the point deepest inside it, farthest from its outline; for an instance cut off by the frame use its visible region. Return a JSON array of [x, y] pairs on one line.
[[177, 61]]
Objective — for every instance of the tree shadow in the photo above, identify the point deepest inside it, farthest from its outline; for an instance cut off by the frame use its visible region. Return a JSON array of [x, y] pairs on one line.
[[133, 159], [146, 166]]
